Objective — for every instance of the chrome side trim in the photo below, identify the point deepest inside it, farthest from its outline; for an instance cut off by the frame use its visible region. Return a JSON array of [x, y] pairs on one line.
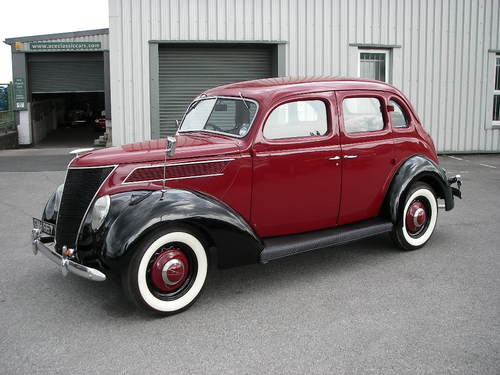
[[174, 178], [174, 165], [96, 167]]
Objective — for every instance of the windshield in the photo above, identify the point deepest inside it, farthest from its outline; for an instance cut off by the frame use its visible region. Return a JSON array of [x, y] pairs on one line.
[[229, 116]]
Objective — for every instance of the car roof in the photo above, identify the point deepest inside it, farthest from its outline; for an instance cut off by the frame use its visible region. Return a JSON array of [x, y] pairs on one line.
[[271, 88]]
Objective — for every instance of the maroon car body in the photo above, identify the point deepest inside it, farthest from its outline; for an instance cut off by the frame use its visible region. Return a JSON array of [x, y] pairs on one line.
[[252, 196]]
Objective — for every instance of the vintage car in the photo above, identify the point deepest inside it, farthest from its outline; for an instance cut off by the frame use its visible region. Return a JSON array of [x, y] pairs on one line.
[[257, 171]]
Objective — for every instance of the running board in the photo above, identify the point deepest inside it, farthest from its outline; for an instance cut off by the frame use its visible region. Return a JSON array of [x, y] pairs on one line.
[[283, 246]]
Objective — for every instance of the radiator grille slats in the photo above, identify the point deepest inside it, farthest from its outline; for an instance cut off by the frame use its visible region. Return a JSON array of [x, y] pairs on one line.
[[79, 189]]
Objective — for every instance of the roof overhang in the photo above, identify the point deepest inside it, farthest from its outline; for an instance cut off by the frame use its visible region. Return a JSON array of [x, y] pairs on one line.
[[57, 36]]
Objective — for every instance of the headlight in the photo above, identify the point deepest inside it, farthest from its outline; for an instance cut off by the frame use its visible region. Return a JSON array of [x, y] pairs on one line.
[[100, 211], [52, 207]]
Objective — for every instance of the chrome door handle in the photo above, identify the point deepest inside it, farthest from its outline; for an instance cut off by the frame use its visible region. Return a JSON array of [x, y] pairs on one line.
[[334, 158], [350, 156]]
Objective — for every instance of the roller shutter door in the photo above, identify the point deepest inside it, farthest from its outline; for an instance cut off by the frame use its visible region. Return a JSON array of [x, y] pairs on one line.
[[184, 72], [66, 72]]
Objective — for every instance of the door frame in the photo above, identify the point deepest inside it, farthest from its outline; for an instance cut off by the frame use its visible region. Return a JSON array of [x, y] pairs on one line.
[[375, 137], [268, 147]]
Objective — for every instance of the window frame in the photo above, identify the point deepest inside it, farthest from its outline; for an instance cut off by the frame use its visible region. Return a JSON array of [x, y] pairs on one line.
[[385, 116], [406, 111], [304, 139], [201, 97], [496, 123], [386, 52]]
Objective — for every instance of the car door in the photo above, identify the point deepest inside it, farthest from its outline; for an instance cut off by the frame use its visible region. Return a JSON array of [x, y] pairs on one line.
[[296, 164], [367, 153]]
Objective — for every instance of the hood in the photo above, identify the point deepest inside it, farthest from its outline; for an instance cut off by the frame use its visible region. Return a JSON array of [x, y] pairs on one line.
[[191, 145]]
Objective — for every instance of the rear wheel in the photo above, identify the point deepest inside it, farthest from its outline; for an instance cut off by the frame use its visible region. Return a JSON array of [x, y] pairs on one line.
[[167, 271], [417, 217]]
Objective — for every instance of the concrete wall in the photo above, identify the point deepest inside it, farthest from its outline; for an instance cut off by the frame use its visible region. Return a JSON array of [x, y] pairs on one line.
[[44, 117], [442, 52], [8, 140]]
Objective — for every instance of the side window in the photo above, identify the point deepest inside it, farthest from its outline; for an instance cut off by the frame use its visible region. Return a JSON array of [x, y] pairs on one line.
[[398, 117], [362, 115], [305, 118]]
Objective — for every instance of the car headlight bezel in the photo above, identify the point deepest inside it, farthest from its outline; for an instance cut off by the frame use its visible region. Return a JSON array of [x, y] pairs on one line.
[[52, 207], [100, 210]]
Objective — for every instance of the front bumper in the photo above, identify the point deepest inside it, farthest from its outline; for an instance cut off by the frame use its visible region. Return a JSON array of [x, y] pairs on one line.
[[44, 245]]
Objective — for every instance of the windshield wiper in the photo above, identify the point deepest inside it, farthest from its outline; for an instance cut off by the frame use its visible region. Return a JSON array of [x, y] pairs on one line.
[[193, 106], [246, 105]]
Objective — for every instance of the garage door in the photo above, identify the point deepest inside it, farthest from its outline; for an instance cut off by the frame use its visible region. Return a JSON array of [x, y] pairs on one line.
[[66, 72], [184, 72]]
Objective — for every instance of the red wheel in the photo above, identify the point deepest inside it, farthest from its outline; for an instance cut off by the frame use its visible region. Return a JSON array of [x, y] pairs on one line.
[[417, 218], [167, 271]]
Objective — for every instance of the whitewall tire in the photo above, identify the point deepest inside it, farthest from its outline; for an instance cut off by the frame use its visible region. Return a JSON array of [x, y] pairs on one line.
[[417, 217], [167, 271]]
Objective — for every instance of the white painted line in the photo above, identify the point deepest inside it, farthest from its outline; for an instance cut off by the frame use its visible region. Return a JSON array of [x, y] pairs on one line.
[[454, 157], [487, 165]]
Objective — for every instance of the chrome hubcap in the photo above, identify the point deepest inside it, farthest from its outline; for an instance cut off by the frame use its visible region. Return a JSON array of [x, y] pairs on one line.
[[169, 270], [419, 217], [416, 217], [173, 271]]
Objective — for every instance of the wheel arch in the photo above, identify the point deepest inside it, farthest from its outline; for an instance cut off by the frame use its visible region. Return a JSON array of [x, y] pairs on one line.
[[414, 169], [226, 235]]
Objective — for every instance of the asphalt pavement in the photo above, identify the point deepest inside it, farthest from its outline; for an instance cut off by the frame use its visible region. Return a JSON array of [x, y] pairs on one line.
[[362, 308]]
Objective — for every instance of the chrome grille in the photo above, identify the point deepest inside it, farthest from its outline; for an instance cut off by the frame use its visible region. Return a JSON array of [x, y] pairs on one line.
[[79, 190]]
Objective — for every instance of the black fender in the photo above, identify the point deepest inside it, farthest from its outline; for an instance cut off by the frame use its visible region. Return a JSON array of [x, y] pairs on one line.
[[134, 214], [416, 168]]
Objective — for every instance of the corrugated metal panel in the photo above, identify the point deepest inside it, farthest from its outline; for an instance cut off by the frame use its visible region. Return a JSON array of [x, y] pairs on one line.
[[443, 64], [184, 72], [66, 72]]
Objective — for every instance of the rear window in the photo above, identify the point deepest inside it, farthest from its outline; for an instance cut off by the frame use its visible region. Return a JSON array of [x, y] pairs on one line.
[[399, 118]]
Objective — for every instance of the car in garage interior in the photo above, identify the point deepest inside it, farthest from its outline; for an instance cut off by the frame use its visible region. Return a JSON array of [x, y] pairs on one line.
[[258, 171], [100, 121]]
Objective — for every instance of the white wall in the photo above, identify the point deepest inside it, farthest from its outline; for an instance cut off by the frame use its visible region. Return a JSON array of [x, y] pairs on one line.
[[43, 119], [24, 128], [443, 63]]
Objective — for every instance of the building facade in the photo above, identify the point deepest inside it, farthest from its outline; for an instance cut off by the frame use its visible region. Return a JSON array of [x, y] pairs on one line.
[[56, 75], [442, 54]]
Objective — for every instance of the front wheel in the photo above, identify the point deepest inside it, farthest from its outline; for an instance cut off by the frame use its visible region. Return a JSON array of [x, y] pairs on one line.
[[167, 271], [417, 218]]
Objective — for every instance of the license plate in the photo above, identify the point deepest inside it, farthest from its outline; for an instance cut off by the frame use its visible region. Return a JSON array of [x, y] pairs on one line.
[[47, 228]]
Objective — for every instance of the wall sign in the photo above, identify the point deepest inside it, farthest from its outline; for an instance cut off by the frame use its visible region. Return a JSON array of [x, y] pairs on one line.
[[19, 93], [46, 46]]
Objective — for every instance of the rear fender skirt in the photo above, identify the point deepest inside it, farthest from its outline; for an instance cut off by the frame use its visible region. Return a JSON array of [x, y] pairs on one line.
[[416, 168], [235, 241]]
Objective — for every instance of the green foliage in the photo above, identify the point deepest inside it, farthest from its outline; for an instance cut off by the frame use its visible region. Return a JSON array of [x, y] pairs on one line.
[[4, 99]]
